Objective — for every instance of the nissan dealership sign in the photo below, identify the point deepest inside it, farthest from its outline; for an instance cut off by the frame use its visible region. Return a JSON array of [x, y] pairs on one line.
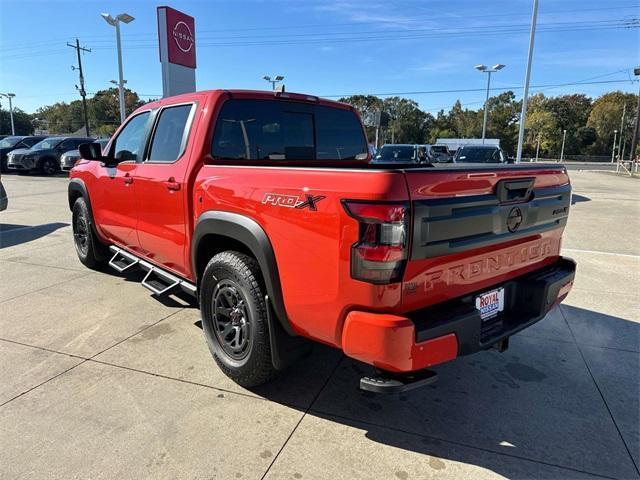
[[177, 40]]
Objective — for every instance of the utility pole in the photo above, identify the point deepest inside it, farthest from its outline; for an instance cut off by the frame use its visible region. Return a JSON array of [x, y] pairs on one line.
[[613, 150], [624, 111], [83, 92], [634, 140], [537, 147]]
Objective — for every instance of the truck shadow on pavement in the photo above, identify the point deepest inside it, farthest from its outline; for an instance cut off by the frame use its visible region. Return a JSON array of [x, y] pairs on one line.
[[549, 407], [11, 234]]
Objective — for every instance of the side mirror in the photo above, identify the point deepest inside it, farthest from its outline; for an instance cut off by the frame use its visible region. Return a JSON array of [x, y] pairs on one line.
[[90, 151]]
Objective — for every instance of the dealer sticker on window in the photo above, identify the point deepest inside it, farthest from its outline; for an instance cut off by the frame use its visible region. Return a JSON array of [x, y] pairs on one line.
[[490, 303]]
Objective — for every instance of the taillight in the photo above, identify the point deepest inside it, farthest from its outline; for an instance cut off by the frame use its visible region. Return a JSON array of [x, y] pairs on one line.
[[380, 253]]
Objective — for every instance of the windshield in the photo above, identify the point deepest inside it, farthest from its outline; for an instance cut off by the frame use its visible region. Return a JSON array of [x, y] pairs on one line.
[[9, 142], [395, 153], [479, 155], [439, 149], [47, 143]]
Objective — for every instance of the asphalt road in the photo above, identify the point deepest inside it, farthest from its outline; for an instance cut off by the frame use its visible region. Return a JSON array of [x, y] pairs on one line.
[[100, 380]]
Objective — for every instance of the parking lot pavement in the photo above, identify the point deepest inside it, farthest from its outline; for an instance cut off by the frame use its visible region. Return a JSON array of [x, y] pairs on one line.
[[98, 379]]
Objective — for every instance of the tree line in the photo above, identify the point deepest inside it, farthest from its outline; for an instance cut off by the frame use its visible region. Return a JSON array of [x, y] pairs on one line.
[[68, 117], [590, 123]]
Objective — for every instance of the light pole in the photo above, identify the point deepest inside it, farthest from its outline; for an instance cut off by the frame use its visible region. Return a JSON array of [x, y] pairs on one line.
[[537, 147], [273, 81], [527, 77], [564, 137], [613, 150], [489, 71], [115, 22], [10, 96]]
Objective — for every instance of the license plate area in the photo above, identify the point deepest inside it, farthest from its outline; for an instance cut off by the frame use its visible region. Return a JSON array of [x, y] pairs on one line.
[[490, 303]]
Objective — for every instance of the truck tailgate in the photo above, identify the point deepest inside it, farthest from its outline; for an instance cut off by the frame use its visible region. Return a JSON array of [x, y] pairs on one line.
[[473, 228]]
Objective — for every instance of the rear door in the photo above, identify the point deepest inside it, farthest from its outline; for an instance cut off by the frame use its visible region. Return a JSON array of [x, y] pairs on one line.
[[161, 189], [474, 228]]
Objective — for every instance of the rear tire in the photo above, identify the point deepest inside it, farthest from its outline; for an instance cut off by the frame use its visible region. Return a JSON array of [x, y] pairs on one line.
[[91, 252], [234, 318]]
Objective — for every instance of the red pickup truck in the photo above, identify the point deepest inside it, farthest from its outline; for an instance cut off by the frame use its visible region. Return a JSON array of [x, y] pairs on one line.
[[264, 205]]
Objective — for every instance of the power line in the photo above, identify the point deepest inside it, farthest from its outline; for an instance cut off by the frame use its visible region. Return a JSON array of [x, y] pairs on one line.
[[467, 90]]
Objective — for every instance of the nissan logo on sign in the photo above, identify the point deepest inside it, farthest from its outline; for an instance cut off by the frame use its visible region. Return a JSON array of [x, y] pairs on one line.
[[177, 36], [183, 36]]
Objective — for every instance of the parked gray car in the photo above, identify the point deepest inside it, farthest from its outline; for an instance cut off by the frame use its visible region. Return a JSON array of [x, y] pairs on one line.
[[44, 155], [69, 159]]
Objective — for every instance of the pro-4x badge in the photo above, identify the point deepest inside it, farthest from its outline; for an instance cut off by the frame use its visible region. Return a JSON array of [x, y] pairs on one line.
[[292, 201]]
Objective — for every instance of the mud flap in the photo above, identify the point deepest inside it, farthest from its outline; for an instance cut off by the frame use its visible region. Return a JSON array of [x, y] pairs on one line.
[[285, 349]]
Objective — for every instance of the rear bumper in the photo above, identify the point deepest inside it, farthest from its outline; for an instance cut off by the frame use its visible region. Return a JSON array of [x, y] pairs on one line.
[[443, 332]]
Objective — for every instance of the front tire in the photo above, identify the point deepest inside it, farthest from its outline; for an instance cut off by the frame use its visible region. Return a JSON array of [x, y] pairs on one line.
[[91, 252], [234, 318], [49, 166]]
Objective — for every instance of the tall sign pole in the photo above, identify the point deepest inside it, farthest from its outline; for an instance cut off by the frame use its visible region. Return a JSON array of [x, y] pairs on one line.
[[636, 127], [177, 41], [525, 97], [82, 91]]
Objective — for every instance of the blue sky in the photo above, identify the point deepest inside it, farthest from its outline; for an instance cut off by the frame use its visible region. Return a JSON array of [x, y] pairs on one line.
[[327, 48]]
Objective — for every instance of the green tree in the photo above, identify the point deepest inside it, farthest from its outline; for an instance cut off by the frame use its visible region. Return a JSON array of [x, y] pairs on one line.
[[407, 123], [21, 122], [542, 125], [502, 122], [605, 118]]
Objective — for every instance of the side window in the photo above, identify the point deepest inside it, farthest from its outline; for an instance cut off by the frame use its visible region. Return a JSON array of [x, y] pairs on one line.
[[167, 143], [130, 141], [66, 146]]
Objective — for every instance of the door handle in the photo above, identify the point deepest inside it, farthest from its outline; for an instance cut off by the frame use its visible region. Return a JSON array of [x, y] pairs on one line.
[[128, 179], [172, 184]]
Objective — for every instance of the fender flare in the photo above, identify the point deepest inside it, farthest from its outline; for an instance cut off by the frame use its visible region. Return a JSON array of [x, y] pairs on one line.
[[247, 231], [76, 189]]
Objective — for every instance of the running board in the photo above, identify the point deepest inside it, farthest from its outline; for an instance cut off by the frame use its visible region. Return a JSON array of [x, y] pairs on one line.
[[157, 280]]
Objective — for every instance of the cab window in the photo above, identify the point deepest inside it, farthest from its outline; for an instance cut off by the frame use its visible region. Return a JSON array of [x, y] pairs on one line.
[[129, 144], [170, 134]]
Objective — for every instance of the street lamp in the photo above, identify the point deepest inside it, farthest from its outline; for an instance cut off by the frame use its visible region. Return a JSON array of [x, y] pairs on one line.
[[273, 81], [613, 150], [564, 137], [489, 71], [10, 96], [115, 22]]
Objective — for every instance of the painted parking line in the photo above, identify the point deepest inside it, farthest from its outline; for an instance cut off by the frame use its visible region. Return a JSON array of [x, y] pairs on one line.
[[599, 252]]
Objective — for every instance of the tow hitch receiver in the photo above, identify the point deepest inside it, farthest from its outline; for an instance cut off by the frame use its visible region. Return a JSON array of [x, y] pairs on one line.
[[387, 382]]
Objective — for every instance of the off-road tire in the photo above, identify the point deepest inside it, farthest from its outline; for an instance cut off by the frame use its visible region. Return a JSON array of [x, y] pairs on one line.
[[236, 272], [91, 252]]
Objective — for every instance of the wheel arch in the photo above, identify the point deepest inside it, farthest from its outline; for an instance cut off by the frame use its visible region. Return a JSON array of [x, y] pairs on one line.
[[77, 189], [220, 231]]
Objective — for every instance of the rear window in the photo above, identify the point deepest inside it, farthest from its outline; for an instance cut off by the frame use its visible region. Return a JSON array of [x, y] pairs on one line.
[[272, 130], [479, 155]]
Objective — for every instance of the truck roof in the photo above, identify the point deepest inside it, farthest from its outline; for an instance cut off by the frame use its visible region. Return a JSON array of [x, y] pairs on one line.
[[245, 94]]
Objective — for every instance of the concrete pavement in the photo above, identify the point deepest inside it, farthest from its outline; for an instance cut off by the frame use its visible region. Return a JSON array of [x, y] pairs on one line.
[[98, 379]]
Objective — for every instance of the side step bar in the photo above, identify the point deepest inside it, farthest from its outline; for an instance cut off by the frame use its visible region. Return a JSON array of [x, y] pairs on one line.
[[158, 280]]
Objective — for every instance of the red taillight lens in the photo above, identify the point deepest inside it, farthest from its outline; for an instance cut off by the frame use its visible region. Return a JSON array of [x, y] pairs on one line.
[[380, 253]]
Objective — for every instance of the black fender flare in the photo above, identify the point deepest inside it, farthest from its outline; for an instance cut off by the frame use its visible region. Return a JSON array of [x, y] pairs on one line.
[[76, 189], [248, 232]]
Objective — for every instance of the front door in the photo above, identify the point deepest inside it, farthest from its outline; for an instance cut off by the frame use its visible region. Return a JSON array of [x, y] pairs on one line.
[[161, 191], [114, 206]]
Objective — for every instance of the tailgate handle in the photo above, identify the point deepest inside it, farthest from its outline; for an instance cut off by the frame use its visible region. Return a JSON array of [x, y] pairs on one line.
[[510, 191]]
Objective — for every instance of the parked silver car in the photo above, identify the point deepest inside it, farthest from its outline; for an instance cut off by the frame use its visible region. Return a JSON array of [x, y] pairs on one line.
[[69, 159]]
